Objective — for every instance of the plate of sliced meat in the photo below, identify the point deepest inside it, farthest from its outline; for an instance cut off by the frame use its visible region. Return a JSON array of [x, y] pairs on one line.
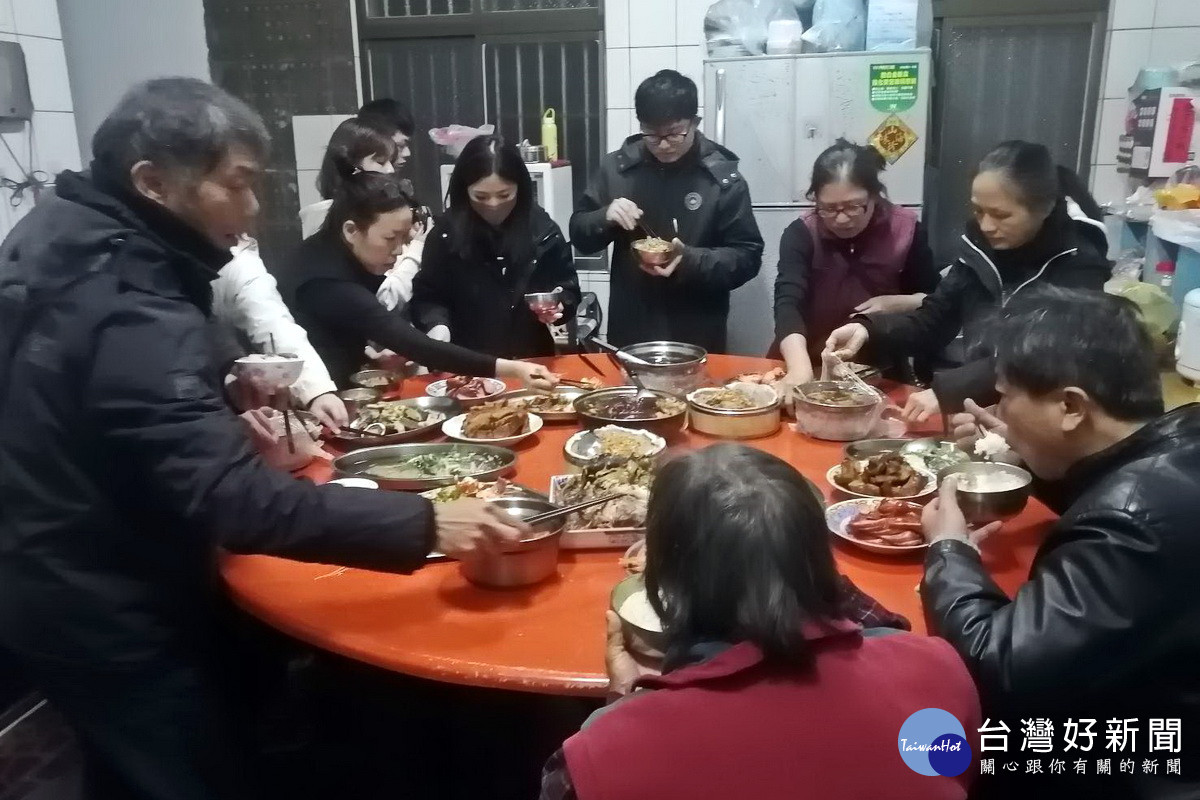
[[890, 527]]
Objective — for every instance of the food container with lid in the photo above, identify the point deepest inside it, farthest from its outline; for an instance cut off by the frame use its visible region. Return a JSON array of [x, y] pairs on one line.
[[525, 563], [762, 420]]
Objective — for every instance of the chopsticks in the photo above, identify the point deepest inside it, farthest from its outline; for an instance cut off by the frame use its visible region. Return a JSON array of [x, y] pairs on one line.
[[574, 383], [566, 510]]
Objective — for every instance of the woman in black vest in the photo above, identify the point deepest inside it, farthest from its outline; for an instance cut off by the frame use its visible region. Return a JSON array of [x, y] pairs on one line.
[[493, 246], [330, 284]]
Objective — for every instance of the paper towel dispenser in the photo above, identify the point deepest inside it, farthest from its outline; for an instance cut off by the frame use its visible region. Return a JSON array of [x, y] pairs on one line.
[[15, 102]]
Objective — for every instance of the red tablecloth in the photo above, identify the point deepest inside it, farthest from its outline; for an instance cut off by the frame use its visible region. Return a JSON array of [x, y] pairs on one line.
[[549, 638]]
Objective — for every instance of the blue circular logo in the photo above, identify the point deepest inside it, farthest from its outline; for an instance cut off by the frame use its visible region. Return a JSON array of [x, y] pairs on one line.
[[932, 742]]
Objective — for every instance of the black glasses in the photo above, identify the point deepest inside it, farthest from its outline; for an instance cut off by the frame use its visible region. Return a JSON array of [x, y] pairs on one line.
[[851, 210], [670, 138]]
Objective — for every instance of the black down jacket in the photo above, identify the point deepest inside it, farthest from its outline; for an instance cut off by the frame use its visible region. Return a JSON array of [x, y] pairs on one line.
[[121, 468]]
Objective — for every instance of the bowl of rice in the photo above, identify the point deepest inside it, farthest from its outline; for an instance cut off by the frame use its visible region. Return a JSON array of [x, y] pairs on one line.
[[990, 491], [642, 628]]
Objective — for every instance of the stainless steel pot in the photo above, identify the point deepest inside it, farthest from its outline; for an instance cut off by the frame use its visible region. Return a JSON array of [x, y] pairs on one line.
[[525, 563], [836, 422], [675, 367]]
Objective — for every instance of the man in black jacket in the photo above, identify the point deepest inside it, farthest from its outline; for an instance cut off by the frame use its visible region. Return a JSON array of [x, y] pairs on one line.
[[673, 181], [1108, 626], [122, 470]]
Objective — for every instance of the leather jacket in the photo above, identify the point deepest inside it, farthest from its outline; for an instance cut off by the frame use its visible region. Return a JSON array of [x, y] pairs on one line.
[[1108, 625]]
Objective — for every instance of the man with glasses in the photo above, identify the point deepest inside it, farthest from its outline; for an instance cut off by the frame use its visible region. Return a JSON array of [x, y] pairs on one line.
[[672, 183]]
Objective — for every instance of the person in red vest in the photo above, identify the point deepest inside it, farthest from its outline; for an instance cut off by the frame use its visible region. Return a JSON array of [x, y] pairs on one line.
[[767, 690], [855, 253]]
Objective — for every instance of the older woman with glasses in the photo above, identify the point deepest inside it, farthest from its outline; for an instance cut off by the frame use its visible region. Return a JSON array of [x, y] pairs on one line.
[[854, 253]]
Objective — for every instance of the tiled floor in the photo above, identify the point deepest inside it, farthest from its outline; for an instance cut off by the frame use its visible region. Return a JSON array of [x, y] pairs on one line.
[[39, 759]]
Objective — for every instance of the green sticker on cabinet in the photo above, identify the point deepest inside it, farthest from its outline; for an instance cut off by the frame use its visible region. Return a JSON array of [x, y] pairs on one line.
[[894, 87]]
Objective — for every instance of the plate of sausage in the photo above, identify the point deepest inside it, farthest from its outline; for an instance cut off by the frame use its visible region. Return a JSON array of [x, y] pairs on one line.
[[889, 527]]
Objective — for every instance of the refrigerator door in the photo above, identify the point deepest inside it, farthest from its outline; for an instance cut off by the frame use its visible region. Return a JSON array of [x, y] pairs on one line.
[[750, 104], [751, 307], [834, 99]]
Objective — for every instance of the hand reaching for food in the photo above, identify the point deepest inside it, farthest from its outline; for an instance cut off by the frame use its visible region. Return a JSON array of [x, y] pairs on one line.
[[532, 376], [468, 527], [623, 213], [847, 341], [330, 411], [920, 407]]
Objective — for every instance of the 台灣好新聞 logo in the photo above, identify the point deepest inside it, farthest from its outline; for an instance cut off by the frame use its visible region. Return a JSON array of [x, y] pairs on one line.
[[933, 742]]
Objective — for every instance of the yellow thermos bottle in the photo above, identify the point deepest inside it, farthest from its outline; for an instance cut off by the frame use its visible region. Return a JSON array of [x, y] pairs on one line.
[[550, 135]]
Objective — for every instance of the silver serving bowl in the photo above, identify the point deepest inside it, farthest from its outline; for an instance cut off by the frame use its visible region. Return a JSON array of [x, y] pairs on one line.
[[866, 448], [981, 508], [674, 367], [570, 392], [364, 464], [445, 405], [832, 422], [377, 379], [356, 399], [646, 642], [529, 561], [591, 415]]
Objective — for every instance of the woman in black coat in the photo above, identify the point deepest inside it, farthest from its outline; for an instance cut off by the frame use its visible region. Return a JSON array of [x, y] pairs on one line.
[[331, 281], [493, 246], [1034, 223]]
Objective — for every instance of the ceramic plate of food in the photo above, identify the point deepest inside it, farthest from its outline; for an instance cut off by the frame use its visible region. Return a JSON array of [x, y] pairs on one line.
[[888, 527], [492, 423], [466, 390], [887, 475], [615, 442]]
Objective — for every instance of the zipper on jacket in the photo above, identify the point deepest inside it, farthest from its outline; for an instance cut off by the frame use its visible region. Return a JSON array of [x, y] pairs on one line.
[[1006, 296]]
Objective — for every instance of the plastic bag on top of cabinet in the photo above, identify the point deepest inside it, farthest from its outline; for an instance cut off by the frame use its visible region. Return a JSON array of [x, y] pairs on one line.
[[838, 26], [739, 27], [899, 24]]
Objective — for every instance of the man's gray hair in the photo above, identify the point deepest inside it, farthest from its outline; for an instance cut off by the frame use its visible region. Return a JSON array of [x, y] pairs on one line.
[[177, 124]]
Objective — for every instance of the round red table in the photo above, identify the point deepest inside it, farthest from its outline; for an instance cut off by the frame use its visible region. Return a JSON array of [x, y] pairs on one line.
[[549, 638]]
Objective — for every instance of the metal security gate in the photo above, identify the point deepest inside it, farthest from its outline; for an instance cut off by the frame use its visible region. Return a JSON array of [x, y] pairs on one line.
[[479, 61]]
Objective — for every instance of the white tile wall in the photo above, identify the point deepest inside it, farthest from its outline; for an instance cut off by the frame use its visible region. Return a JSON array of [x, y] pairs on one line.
[[689, 21], [652, 23], [46, 63], [616, 23], [55, 142], [49, 142], [620, 126], [1108, 185], [646, 61], [1125, 14], [1170, 47], [8, 22], [690, 61], [1176, 13], [1128, 53], [37, 18], [1112, 128], [617, 72], [306, 185]]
